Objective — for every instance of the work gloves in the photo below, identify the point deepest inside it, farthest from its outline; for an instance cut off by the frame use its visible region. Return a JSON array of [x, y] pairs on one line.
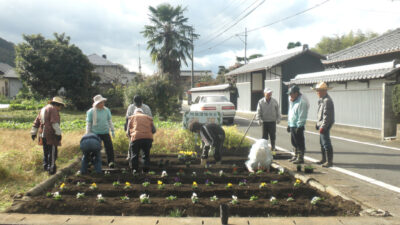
[[320, 129], [58, 137], [33, 137], [259, 122], [113, 133], [288, 129]]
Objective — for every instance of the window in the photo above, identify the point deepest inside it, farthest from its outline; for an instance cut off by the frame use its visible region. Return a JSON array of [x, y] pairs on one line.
[[208, 99], [197, 100]]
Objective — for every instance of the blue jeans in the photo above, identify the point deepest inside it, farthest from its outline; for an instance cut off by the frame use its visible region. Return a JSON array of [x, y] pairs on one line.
[[87, 156], [325, 139]]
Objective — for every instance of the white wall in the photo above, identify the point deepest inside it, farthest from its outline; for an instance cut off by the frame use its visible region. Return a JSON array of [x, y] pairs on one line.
[[357, 105], [275, 86], [244, 99]]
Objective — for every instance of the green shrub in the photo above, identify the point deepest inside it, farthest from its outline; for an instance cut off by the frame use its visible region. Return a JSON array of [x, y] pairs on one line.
[[233, 137], [121, 142], [27, 104], [115, 96], [161, 95]]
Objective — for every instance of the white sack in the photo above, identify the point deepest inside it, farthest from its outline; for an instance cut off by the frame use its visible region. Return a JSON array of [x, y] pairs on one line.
[[260, 156]]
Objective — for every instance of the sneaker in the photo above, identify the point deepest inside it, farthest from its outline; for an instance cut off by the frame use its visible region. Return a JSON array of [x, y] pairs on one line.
[[111, 165]]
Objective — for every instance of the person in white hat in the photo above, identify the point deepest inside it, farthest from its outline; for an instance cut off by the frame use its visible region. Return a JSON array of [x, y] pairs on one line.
[[325, 121], [268, 115], [48, 125], [98, 121]]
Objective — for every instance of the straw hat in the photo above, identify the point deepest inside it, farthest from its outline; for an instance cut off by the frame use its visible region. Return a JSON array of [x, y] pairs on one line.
[[321, 86], [97, 99], [57, 100]]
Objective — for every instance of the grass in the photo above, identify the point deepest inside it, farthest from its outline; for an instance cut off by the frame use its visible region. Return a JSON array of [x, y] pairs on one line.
[[21, 158], [17, 147]]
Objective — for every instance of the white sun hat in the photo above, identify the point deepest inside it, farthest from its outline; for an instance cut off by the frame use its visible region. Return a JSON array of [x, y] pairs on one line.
[[97, 99]]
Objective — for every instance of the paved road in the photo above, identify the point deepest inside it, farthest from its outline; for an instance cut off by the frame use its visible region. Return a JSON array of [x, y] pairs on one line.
[[376, 162]]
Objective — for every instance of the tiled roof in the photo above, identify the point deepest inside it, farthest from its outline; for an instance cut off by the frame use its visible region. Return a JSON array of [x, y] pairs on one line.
[[220, 87], [5, 67], [270, 61], [386, 43], [11, 74], [372, 71], [99, 61]]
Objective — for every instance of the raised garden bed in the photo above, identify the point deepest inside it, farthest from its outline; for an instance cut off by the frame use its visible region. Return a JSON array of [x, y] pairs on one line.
[[279, 194]]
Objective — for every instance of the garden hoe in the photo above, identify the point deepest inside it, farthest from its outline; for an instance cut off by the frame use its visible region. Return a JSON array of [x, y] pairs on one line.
[[251, 122]]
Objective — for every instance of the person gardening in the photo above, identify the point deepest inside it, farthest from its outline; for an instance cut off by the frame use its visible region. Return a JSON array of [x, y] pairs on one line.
[[325, 121], [137, 103], [140, 130], [212, 136], [91, 148], [48, 125], [98, 121], [297, 116], [268, 115]]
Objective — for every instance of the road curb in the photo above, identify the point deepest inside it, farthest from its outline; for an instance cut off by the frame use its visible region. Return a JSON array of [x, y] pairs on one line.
[[49, 183], [366, 210]]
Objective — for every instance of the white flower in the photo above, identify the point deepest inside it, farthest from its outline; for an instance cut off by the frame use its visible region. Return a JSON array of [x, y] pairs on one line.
[[99, 196], [221, 173], [194, 195], [234, 197], [315, 199], [194, 198], [272, 199], [164, 174], [144, 196], [56, 194]]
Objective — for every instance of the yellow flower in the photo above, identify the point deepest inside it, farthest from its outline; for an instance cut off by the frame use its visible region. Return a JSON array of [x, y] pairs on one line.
[[94, 185], [298, 181], [159, 182], [127, 184], [229, 185], [62, 185], [263, 184], [194, 183]]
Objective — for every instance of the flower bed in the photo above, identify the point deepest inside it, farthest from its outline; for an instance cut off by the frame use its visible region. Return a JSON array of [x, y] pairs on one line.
[[122, 193]]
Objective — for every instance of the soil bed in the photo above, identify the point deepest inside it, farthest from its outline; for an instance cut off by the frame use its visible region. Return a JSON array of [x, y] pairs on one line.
[[279, 186]]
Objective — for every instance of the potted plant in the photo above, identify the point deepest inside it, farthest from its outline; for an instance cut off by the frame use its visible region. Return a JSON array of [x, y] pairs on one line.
[[308, 169]]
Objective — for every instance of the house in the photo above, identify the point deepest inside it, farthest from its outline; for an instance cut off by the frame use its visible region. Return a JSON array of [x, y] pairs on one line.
[[186, 77], [10, 84], [383, 48], [271, 71], [362, 77], [109, 72]]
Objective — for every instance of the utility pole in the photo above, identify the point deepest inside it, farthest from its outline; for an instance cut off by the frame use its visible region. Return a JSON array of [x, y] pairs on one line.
[[140, 65], [245, 46], [192, 79]]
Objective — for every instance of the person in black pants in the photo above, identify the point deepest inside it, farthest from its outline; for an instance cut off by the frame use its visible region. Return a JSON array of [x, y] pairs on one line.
[[212, 136], [268, 115]]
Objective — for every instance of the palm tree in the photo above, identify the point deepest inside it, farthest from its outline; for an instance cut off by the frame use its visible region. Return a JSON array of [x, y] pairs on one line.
[[169, 39]]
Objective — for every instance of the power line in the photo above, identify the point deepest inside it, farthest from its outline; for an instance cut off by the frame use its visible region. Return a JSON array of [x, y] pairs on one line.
[[240, 19], [267, 25]]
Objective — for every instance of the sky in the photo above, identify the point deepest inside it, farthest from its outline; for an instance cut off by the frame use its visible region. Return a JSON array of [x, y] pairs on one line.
[[114, 27]]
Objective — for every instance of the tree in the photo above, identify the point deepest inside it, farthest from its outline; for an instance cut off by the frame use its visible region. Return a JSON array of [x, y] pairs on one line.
[[293, 45], [46, 66], [329, 45], [7, 52], [254, 56], [220, 79], [169, 39]]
